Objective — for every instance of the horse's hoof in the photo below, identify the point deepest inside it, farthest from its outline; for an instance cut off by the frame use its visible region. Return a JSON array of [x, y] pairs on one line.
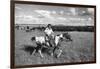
[[51, 54]]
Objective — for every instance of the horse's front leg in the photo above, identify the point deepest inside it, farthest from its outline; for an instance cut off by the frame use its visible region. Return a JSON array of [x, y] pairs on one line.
[[59, 53], [40, 52], [34, 52], [53, 51], [51, 54]]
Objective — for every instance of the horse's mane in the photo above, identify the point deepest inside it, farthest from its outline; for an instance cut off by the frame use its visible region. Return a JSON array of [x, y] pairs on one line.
[[67, 36], [33, 38]]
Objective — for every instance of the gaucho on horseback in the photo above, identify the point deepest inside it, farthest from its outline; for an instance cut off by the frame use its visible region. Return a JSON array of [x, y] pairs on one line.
[[49, 35]]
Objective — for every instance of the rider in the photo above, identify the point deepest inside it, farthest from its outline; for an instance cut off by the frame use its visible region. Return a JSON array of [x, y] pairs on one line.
[[49, 35]]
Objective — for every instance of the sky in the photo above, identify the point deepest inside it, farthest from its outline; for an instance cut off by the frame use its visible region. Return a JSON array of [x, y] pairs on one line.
[[41, 14]]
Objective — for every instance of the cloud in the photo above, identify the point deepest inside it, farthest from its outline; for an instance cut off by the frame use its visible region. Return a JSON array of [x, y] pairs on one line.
[[19, 8]]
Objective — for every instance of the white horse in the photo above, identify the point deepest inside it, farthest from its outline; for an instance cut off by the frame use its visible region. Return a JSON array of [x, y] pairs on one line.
[[40, 41]]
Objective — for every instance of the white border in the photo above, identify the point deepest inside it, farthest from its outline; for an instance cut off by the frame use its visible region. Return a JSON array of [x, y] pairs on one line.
[[5, 34]]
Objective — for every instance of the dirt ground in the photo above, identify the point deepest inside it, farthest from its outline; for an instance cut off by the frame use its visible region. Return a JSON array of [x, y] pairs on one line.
[[80, 50]]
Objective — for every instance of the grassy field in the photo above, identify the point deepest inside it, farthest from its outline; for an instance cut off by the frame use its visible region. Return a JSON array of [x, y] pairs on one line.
[[81, 50]]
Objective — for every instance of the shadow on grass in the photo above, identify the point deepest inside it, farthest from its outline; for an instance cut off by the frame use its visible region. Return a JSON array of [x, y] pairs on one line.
[[30, 49]]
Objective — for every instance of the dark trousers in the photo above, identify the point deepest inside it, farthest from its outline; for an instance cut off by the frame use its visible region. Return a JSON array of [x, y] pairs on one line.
[[50, 40]]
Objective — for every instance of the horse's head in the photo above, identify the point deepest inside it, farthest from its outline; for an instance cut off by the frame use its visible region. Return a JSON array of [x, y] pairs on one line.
[[33, 38], [67, 37], [60, 36]]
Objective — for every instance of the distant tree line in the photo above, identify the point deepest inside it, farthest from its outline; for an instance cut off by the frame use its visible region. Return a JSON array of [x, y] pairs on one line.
[[62, 28], [69, 28], [74, 28]]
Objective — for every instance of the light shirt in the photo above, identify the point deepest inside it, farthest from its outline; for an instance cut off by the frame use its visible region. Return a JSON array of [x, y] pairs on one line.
[[48, 31]]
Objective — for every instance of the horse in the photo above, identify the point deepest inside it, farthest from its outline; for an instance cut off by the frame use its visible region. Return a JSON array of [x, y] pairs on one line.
[[58, 39], [41, 42]]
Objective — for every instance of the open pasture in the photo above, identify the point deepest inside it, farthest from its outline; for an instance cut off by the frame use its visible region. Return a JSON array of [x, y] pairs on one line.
[[81, 50]]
